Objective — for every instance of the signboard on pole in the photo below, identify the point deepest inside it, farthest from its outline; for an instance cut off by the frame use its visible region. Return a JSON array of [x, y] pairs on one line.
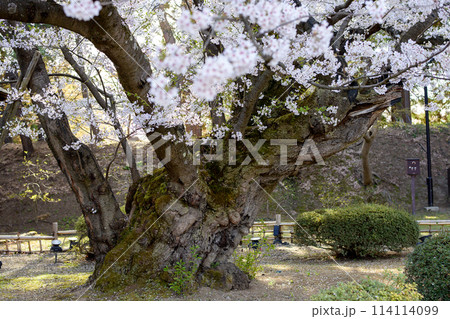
[[413, 169]]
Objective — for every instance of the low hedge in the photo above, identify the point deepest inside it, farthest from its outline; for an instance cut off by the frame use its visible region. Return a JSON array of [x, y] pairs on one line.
[[429, 267], [358, 230]]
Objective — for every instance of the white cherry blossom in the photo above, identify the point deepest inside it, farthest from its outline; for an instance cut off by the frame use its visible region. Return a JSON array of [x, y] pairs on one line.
[[82, 9]]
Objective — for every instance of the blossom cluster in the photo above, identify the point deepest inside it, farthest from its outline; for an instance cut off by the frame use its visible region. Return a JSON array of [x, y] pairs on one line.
[[161, 93], [377, 10], [174, 58], [82, 9], [270, 15], [236, 61], [321, 36], [299, 56], [194, 22]]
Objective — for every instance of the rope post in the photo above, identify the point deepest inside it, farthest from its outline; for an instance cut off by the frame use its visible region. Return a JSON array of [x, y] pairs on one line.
[[55, 230], [277, 234], [278, 219]]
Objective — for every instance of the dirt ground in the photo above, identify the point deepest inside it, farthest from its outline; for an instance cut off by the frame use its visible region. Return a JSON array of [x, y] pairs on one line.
[[289, 273]]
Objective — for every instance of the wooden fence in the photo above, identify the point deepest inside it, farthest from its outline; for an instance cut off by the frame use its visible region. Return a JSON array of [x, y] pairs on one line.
[[434, 226], [14, 243], [263, 229]]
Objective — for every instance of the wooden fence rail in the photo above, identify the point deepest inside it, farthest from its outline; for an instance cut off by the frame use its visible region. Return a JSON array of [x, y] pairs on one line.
[[265, 229], [11, 241], [258, 230], [434, 226]]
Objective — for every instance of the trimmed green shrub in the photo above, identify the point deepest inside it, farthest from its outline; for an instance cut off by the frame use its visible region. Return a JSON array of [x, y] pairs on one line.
[[371, 290], [358, 230], [81, 228], [429, 267]]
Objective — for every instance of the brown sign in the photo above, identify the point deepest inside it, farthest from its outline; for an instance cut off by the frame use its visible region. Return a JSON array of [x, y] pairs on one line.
[[413, 166]]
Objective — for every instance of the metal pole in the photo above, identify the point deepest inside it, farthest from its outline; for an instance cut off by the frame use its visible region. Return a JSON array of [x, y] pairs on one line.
[[413, 193], [429, 178]]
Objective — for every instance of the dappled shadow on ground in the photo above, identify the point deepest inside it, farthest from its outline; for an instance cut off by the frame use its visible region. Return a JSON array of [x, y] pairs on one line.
[[288, 273], [37, 277], [297, 273]]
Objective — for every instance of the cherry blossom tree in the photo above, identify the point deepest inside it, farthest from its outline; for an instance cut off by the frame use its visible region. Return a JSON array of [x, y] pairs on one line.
[[273, 85]]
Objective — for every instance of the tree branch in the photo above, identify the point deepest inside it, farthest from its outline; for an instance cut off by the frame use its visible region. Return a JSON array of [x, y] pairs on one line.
[[250, 100], [104, 105], [12, 108], [418, 29], [384, 81], [108, 32]]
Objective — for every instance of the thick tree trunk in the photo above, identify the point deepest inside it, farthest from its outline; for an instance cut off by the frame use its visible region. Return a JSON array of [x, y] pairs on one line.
[[27, 146], [103, 217], [213, 215]]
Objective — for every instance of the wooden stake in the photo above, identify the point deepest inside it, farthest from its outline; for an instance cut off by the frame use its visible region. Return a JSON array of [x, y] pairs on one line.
[[19, 247], [55, 230], [40, 245], [29, 246], [277, 219]]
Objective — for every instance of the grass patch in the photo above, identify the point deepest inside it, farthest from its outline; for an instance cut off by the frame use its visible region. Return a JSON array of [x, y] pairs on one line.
[[48, 281]]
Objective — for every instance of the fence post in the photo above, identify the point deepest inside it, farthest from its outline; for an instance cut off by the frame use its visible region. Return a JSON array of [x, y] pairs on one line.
[[278, 239], [29, 246], [278, 219], [7, 246], [55, 230], [19, 247], [40, 245]]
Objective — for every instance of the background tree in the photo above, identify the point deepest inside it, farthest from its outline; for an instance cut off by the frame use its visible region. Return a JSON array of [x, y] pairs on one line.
[[365, 151]]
